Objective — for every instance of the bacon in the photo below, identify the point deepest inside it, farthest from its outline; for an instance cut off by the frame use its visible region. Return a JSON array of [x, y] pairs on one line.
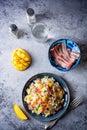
[[63, 56]]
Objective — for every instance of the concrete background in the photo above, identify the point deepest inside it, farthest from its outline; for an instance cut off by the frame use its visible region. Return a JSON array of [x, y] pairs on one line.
[[65, 19]]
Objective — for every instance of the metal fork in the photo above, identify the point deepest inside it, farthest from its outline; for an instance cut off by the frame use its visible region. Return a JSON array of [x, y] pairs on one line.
[[76, 102]]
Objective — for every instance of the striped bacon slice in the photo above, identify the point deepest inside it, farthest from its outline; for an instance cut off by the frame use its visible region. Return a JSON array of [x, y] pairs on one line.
[[63, 56]]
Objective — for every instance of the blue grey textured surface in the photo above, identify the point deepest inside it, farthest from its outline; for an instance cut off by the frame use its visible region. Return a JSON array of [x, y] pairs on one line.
[[65, 19]]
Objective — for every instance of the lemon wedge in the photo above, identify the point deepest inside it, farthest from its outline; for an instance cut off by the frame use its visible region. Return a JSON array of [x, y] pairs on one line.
[[19, 112]]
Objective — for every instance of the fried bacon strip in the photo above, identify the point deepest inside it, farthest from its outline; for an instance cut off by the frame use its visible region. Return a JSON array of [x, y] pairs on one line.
[[63, 56]]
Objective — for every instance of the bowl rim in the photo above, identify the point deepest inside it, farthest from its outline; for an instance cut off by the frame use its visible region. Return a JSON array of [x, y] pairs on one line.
[[53, 62], [52, 117]]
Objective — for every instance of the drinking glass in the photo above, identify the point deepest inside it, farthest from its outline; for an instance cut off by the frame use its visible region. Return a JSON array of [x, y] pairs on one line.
[[40, 32]]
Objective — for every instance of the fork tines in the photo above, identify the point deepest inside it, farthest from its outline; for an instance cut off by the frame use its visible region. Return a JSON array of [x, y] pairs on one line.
[[76, 102]]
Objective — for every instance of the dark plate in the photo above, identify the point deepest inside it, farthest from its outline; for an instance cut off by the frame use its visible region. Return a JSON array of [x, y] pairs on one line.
[[61, 111]]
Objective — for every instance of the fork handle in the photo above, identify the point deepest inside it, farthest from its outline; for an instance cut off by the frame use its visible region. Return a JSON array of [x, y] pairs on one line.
[[47, 126]]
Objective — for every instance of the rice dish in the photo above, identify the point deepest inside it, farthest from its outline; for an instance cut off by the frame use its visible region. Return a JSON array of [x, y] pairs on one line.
[[45, 96]]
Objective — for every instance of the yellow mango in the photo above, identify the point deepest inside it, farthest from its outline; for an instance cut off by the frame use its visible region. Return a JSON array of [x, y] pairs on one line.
[[36, 111], [21, 59], [50, 84], [40, 86], [61, 94], [44, 98], [40, 108]]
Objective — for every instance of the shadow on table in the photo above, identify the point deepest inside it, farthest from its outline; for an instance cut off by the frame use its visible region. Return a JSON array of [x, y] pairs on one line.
[[22, 33], [45, 15], [83, 48], [81, 66]]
